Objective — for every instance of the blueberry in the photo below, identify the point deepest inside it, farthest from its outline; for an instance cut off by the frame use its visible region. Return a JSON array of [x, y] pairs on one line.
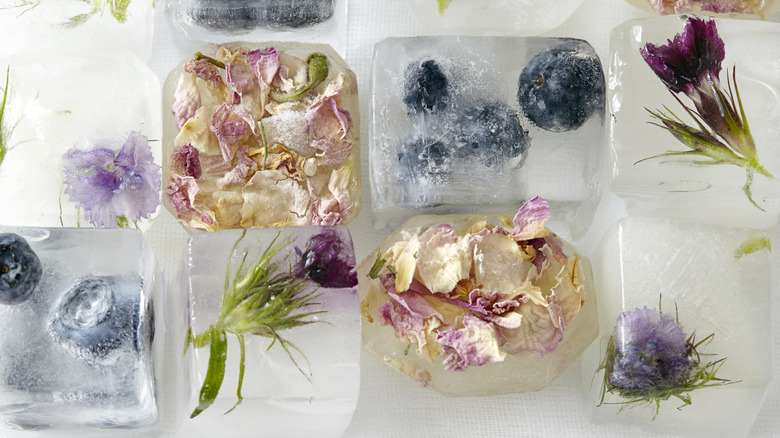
[[425, 87], [92, 321], [225, 15], [423, 165], [293, 14], [490, 134], [562, 87], [20, 269]]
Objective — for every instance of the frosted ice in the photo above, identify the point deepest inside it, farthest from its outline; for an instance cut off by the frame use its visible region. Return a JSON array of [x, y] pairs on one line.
[[79, 25], [491, 271], [214, 21], [464, 124], [748, 8], [702, 273], [493, 17], [279, 400], [59, 101], [672, 187], [77, 356], [290, 160]]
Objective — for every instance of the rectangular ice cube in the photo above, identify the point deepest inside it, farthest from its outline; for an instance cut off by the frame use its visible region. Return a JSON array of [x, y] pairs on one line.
[[713, 280], [95, 102], [717, 184], [78, 25], [492, 17], [213, 21], [461, 124], [77, 332], [288, 297]]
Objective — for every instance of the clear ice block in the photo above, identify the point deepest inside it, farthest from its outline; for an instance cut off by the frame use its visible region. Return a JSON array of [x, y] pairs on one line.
[[694, 187], [78, 25], [713, 280], [74, 112], [455, 303], [492, 17], [76, 349], [196, 22], [464, 124], [303, 383], [261, 134]]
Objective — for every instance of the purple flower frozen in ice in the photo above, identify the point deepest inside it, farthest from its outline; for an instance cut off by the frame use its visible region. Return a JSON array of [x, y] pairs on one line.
[[651, 349], [329, 261], [113, 189], [651, 359]]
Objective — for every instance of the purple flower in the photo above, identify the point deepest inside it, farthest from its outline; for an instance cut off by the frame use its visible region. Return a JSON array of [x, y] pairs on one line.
[[651, 350], [113, 189], [329, 260], [690, 58], [186, 161]]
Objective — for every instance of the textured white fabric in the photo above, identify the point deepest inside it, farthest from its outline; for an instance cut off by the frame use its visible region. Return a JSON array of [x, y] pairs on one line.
[[390, 404]]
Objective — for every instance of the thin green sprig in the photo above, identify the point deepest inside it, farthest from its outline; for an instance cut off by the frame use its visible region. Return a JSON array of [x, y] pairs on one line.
[[117, 9], [260, 301], [3, 134], [712, 143]]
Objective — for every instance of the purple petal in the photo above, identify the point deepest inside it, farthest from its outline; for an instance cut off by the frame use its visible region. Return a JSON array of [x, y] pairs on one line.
[[264, 64], [229, 127], [529, 220], [186, 161], [329, 260]]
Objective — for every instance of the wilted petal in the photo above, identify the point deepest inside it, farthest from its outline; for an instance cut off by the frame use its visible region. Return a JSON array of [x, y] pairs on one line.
[[474, 344], [185, 161], [443, 258], [229, 125], [329, 128], [186, 100], [529, 220]]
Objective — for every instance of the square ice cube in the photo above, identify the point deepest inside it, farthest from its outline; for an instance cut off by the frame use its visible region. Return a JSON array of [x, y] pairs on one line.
[[260, 134], [288, 297], [492, 17], [77, 332], [460, 124], [77, 25], [197, 22], [93, 102], [713, 280], [695, 187]]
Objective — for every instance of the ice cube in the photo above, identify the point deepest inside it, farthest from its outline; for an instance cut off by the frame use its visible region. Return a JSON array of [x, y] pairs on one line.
[[698, 186], [258, 135], [713, 280], [216, 21], [99, 103], [468, 123], [731, 8], [77, 25], [302, 348], [456, 304], [492, 17], [76, 357]]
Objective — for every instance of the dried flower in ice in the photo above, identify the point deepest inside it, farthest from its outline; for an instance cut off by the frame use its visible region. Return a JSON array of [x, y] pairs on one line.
[[716, 6], [113, 189], [328, 261], [650, 359], [690, 64]]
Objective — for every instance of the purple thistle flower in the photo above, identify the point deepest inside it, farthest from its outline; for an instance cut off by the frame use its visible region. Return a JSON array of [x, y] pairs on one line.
[[651, 350], [114, 189], [330, 261], [688, 60]]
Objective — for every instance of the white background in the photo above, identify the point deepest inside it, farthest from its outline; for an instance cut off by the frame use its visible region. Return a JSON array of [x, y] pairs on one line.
[[390, 404]]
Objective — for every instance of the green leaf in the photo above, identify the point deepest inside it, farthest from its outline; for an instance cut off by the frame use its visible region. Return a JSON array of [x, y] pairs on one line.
[[317, 71], [443, 4], [78, 20], [752, 245], [215, 373], [376, 268]]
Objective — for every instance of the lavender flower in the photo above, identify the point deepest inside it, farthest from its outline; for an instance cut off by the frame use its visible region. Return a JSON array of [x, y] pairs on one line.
[[114, 189], [690, 64], [650, 359], [328, 261]]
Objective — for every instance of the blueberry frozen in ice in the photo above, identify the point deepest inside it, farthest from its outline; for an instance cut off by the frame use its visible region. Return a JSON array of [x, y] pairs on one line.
[[490, 133], [245, 15], [425, 158], [562, 87], [425, 87], [94, 318], [20, 269]]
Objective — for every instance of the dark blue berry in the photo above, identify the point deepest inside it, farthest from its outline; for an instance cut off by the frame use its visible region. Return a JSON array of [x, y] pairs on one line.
[[425, 87], [92, 320], [245, 15], [490, 134], [562, 87], [20, 269]]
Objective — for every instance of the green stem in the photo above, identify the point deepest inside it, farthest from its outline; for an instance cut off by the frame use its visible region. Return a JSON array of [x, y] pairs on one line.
[[317, 66], [215, 373], [215, 62]]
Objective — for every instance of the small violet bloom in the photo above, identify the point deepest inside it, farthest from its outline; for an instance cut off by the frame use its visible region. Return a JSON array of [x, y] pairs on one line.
[[329, 261], [113, 189], [651, 349]]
